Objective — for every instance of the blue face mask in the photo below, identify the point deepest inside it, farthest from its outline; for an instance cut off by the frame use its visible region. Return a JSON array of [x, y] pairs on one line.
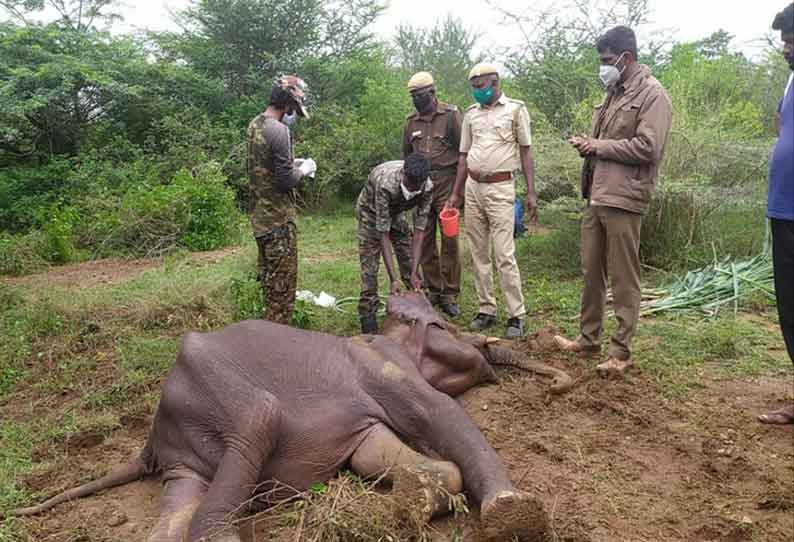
[[482, 95]]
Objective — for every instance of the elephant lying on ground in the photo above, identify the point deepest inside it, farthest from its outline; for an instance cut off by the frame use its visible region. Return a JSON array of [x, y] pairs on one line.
[[257, 406]]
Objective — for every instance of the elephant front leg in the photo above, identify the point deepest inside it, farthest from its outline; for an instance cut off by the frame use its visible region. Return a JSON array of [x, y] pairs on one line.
[[181, 497], [413, 475], [424, 414], [249, 445]]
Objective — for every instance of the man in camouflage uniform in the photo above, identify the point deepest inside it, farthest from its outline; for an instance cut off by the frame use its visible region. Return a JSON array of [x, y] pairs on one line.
[[272, 176], [434, 131], [392, 188]]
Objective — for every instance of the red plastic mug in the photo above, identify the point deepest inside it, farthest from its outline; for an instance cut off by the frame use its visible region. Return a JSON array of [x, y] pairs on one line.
[[449, 221]]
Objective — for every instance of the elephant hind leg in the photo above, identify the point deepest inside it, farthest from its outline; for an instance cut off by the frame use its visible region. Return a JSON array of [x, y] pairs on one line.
[[413, 475], [181, 497]]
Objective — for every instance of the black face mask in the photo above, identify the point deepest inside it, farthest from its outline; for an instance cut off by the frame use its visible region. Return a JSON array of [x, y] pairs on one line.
[[422, 101]]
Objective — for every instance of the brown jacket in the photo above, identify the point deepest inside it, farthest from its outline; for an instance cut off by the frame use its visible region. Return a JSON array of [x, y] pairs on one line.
[[630, 129]]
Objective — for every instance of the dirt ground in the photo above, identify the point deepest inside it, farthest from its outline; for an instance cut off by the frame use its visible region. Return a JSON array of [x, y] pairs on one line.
[[612, 460], [108, 271]]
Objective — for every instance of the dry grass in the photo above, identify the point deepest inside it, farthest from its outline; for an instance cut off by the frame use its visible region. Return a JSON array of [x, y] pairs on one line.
[[347, 509]]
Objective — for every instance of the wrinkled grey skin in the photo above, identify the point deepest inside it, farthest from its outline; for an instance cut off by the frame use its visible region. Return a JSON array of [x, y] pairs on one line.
[[257, 402]]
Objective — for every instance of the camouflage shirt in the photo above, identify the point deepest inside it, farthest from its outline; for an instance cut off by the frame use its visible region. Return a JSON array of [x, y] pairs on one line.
[[271, 175], [382, 199]]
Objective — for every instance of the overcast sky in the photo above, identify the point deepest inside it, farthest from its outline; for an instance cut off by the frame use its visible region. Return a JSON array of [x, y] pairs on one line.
[[689, 19]]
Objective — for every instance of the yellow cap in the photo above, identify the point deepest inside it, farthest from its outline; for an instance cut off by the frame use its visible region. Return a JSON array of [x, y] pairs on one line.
[[483, 68], [420, 80]]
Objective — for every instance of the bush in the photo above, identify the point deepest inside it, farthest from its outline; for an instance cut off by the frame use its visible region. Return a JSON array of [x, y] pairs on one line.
[[20, 254], [673, 224], [245, 298], [195, 211], [689, 226], [59, 242], [348, 142]]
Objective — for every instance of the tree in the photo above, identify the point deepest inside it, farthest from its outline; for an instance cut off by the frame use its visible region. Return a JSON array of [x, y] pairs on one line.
[[245, 43], [556, 66], [447, 50], [78, 15]]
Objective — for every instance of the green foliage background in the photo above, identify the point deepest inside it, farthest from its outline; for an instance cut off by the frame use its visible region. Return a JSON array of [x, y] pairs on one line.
[[114, 144]]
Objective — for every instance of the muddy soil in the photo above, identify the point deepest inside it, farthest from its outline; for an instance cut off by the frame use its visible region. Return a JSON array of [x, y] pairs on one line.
[[612, 460], [109, 271]]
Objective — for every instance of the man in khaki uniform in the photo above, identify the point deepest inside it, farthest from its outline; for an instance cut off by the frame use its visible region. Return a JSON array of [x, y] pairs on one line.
[[622, 160], [495, 141], [433, 130]]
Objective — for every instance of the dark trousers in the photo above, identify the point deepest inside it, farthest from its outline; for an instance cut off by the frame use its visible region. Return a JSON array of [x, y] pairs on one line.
[[441, 275], [783, 264]]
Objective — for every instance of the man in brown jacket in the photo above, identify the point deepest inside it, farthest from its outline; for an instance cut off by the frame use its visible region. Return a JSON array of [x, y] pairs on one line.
[[622, 160], [433, 130]]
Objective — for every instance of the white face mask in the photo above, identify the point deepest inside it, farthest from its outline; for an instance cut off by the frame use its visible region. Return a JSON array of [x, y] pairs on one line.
[[289, 118], [609, 74], [408, 195]]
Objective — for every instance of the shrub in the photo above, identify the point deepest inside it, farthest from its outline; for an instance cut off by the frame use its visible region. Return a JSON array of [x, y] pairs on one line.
[[20, 254], [195, 211], [674, 223], [59, 243], [245, 298], [690, 225]]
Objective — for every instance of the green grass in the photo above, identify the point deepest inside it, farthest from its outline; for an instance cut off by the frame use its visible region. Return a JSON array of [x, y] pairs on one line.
[[108, 346]]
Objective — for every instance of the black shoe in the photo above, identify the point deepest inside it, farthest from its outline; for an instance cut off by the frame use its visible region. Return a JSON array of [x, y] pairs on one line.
[[515, 328], [451, 309], [482, 322], [369, 325]]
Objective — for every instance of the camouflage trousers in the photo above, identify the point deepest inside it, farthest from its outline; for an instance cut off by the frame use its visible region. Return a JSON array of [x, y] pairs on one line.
[[369, 253], [278, 270]]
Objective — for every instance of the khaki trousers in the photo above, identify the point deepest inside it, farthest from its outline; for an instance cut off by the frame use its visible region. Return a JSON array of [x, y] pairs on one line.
[[490, 217], [610, 244], [441, 275]]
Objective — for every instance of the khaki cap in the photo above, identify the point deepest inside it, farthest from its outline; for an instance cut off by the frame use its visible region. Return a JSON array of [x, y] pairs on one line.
[[483, 68], [420, 80]]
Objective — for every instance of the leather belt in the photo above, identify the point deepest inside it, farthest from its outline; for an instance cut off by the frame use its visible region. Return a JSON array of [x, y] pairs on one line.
[[492, 178]]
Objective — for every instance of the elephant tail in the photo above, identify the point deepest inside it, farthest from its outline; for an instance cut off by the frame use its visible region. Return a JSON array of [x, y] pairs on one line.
[[561, 381], [141, 466]]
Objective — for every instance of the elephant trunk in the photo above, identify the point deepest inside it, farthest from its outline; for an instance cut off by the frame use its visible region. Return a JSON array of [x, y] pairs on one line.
[[498, 355]]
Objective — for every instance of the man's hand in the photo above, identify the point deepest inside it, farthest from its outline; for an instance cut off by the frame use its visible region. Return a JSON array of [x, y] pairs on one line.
[[531, 215], [396, 287], [583, 144], [416, 282], [453, 202]]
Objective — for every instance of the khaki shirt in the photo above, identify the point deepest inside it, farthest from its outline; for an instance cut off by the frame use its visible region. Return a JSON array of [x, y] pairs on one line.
[[436, 136], [630, 131], [382, 200], [491, 135]]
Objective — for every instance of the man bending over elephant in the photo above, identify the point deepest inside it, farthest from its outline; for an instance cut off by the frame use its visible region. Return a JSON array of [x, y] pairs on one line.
[[392, 188], [257, 407]]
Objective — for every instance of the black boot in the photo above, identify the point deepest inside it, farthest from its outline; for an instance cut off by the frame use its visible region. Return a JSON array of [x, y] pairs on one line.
[[369, 325]]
